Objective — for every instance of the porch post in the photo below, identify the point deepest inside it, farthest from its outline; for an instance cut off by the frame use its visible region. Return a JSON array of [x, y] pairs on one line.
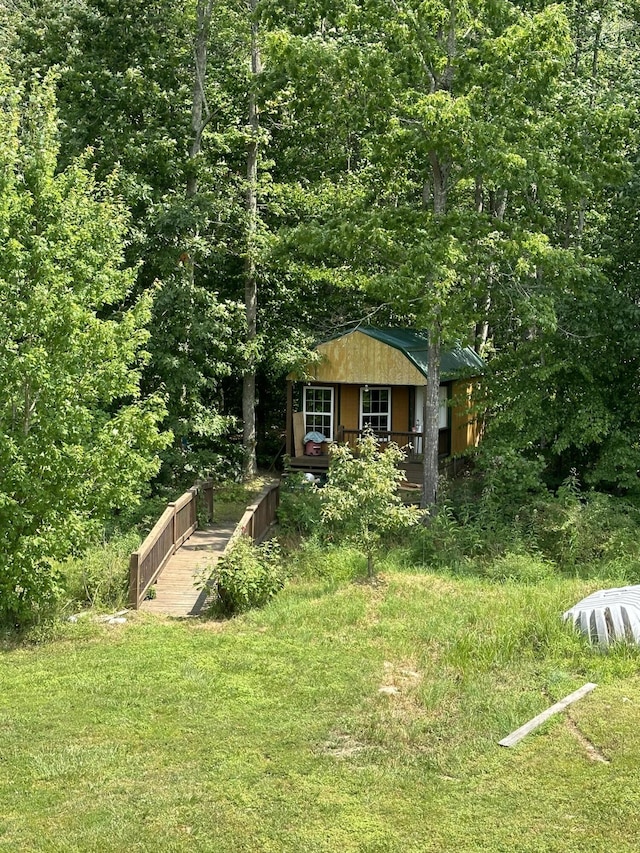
[[289, 425]]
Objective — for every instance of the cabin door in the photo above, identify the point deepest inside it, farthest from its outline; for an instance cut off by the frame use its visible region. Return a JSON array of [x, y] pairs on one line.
[[443, 413]]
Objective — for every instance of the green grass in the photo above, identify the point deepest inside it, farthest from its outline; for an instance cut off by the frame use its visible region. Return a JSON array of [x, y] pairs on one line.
[[270, 732], [231, 499]]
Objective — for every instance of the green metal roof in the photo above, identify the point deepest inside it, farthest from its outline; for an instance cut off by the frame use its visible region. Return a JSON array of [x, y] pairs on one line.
[[414, 345]]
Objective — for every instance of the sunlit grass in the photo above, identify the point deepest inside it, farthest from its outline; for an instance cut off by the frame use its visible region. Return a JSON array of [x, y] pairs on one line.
[[342, 717], [231, 499]]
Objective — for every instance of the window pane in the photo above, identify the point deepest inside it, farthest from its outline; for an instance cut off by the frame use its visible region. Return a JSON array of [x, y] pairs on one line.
[[375, 409], [443, 409], [318, 410]]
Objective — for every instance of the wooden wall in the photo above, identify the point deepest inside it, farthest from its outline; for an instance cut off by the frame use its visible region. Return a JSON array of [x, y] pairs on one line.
[[400, 409], [357, 359], [349, 411], [349, 408], [465, 430]]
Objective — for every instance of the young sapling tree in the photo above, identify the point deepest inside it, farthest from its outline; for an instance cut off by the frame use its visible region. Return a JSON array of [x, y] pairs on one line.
[[361, 502]]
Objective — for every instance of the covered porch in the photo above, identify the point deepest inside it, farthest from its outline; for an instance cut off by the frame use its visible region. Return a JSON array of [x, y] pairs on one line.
[[371, 379]]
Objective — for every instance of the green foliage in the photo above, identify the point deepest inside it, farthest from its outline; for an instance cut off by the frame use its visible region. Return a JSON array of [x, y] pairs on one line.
[[568, 395], [100, 577], [335, 565], [580, 532], [520, 568], [510, 481], [247, 576], [360, 503], [231, 499], [77, 439], [477, 530], [299, 512]]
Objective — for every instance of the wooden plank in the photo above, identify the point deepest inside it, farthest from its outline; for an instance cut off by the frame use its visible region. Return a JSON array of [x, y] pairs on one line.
[[176, 594], [400, 412], [357, 359], [349, 406], [183, 500], [186, 534], [524, 730], [465, 427], [298, 433], [155, 533], [142, 591], [134, 581], [289, 423]]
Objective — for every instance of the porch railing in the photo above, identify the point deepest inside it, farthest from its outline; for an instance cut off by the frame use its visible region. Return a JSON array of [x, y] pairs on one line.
[[174, 526], [411, 442]]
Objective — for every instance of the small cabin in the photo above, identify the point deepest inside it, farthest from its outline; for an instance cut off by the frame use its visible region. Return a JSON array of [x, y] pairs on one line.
[[375, 379]]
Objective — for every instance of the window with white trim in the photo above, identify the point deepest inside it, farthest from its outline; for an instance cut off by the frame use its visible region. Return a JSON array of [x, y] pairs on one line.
[[375, 409], [443, 407], [318, 410]]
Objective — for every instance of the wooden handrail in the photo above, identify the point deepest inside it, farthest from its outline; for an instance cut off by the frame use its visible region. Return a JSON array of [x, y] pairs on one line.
[[258, 516], [385, 434], [176, 524], [155, 533], [183, 500]]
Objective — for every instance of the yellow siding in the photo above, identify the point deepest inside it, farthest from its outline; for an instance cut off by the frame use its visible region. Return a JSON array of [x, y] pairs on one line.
[[358, 359], [400, 409], [349, 407], [464, 428]]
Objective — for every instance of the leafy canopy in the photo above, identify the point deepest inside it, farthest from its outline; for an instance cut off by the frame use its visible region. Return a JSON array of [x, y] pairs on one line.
[[76, 439]]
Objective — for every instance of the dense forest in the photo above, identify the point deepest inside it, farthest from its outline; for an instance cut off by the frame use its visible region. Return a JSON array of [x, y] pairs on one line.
[[192, 193]]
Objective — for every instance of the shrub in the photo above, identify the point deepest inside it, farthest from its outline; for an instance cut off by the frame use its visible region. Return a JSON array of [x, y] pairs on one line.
[[575, 531], [31, 588], [510, 482], [246, 576], [299, 513], [360, 503], [524, 568], [100, 576], [578, 531]]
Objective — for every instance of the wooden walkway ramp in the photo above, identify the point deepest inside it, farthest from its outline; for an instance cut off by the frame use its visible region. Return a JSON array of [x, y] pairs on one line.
[[176, 594]]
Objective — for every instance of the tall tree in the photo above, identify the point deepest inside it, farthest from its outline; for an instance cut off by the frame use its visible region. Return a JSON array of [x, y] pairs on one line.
[[168, 79], [250, 270], [77, 439], [452, 106], [562, 382]]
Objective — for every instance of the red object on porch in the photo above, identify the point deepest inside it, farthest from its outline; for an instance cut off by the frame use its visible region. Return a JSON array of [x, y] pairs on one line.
[[312, 448]]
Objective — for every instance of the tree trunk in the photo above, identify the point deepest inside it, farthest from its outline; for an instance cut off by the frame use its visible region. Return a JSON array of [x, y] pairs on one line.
[[199, 119], [431, 422], [440, 175], [199, 110], [497, 207], [251, 285]]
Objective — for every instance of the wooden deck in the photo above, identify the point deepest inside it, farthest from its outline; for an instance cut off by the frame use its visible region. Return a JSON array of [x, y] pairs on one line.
[[320, 465], [176, 594]]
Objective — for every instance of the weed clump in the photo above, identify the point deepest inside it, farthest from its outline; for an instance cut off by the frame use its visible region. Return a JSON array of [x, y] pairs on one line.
[[247, 576], [299, 512]]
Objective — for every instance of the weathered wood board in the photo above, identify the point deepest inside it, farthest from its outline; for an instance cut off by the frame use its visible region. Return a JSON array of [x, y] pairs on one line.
[[524, 730]]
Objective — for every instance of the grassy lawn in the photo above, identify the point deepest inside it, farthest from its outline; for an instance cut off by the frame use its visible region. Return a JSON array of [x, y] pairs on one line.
[[350, 718], [232, 499]]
